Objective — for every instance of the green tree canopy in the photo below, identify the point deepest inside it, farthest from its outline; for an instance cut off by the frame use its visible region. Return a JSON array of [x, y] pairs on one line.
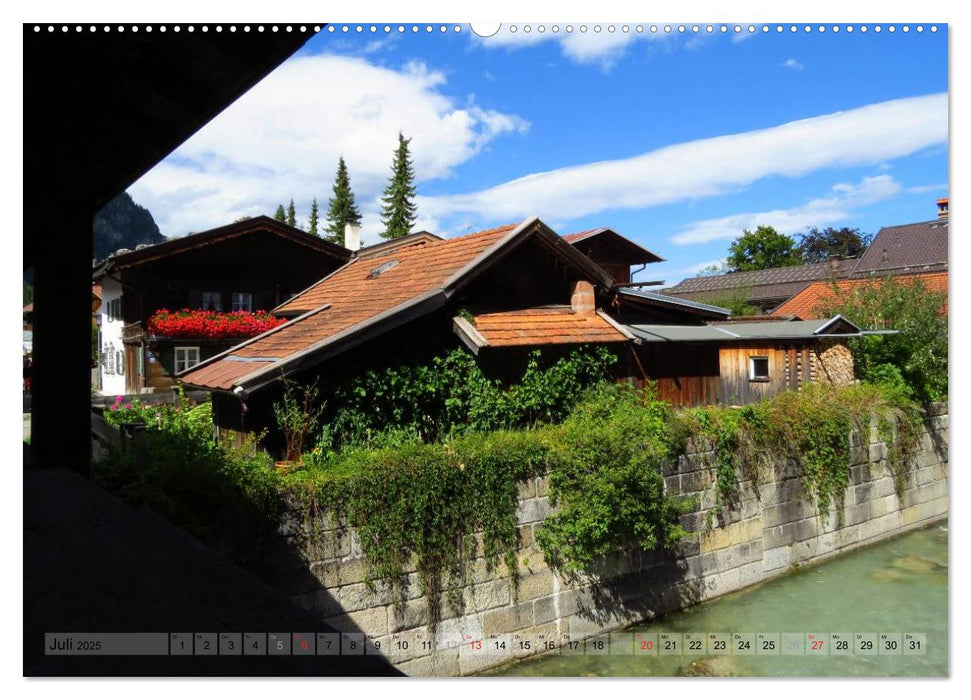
[[292, 214], [832, 244], [398, 211], [281, 214], [341, 209], [314, 221], [761, 249], [918, 353]]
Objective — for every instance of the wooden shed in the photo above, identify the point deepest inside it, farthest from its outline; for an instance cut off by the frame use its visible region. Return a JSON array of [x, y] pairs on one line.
[[743, 362]]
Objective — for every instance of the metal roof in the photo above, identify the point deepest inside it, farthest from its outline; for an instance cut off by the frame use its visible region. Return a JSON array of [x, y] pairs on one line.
[[769, 330], [674, 301]]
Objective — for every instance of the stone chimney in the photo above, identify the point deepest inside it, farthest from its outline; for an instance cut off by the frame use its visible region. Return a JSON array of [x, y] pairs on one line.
[[942, 208], [583, 300], [352, 236]]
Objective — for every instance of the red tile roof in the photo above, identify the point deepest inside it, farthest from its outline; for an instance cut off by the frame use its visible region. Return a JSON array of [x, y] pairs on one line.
[[351, 298], [805, 303], [545, 326]]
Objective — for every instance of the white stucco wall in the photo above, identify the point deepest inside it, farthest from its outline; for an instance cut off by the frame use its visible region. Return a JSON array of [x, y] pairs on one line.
[[111, 381]]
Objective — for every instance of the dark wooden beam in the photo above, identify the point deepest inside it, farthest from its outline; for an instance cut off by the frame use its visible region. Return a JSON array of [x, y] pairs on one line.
[[100, 109]]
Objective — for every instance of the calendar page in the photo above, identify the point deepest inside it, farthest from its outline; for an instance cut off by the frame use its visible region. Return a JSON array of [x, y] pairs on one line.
[[547, 349]]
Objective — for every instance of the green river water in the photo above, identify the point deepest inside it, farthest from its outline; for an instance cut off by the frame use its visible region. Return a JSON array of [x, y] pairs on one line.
[[898, 586]]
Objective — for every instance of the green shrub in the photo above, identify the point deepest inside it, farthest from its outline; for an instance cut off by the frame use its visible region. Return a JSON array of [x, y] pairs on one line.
[[919, 350], [606, 479], [452, 395]]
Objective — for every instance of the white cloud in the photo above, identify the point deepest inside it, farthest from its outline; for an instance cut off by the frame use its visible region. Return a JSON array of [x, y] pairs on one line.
[[921, 189], [283, 139], [834, 207], [793, 64], [604, 47], [708, 167]]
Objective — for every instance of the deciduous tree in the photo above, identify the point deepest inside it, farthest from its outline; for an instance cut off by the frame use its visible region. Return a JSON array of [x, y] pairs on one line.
[[761, 249]]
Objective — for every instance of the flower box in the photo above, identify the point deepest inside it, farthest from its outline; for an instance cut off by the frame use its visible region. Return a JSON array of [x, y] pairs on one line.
[[217, 325]]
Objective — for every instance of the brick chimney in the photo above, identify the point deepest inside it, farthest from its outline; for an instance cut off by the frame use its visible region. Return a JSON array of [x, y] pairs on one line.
[[942, 208], [352, 237], [583, 300]]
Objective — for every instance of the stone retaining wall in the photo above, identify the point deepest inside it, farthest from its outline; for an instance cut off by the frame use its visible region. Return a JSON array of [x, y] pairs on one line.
[[772, 528]]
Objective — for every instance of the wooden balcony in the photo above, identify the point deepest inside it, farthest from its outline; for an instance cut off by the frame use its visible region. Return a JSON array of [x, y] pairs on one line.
[[133, 333]]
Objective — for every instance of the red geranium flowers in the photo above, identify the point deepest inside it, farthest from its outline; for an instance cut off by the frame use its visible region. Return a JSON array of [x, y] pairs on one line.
[[189, 323]]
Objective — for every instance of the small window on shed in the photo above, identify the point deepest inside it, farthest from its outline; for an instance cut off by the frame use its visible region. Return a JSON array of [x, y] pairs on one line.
[[758, 369]]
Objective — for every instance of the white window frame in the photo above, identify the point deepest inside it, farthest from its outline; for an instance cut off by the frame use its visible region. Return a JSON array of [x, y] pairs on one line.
[[186, 349], [120, 362], [237, 301], [752, 375], [212, 297], [109, 359]]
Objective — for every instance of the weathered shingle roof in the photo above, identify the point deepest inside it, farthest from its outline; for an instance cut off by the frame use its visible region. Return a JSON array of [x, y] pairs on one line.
[[921, 246], [904, 249], [351, 296], [774, 282], [368, 296], [805, 303], [545, 326]]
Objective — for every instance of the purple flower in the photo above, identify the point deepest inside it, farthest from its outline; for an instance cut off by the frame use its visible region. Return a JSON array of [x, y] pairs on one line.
[[119, 399], [127, 405]]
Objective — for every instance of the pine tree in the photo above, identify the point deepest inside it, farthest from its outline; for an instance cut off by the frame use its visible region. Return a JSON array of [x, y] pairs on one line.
[[314, 219], [341, 208], [280, 215], [292, 214], [398, 212]]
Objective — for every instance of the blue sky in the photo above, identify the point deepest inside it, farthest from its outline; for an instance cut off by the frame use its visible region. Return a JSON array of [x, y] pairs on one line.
[[678, 141]]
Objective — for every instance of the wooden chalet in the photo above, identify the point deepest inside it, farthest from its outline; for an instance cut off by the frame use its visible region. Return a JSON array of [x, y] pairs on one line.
[[502, 293], [253, 264], [613, 252], [523, 283]]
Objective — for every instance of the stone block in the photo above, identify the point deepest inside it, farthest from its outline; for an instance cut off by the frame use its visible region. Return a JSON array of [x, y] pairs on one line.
[[805, 529], [508, 619], [357, 596], [545, 609], [803, 550], [695, 481], [775, 559], [859, 453], [778, 536], [854, 515], [533, 510], [771, 493], [492, 594], [730, 558], [327, 574], [444, 663], [750, 574], [884, 487], [582, 626], [527, 490], [372, 621], [542, 486], [410, 615], [721, 583]]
